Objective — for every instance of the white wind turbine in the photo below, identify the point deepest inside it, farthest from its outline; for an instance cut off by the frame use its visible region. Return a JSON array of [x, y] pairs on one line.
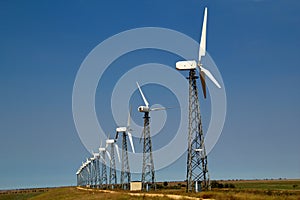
[[125, 173], [102, 155], [112, 169], [197, 158], [148, 172]]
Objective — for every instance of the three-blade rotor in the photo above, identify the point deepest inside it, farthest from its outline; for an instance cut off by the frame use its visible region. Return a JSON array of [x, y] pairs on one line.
[[112, 142], [191, 65], [146, 107], [127, 130]]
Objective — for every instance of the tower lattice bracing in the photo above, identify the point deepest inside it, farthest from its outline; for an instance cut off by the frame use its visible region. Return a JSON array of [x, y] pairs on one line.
[[112, 168], [103, 174], [97, 182], [89, 174], [197, 172], [148, 175], [125, 173], [93, 173]]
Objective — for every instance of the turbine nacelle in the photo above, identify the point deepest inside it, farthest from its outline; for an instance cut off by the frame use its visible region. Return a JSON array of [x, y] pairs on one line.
[[186, 65], [96, 155], [110, 141], [121, 129], [101, 149], [143, 109]]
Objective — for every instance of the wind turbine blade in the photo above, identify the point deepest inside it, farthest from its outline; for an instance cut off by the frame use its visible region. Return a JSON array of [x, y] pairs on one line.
[[202, 78], [162, 108], [108, 155], [202, 48], [156, 109], [144, 99], [118, 153], [129, 117], [131, 142], [101, 158], [142, 135], [210, 76]]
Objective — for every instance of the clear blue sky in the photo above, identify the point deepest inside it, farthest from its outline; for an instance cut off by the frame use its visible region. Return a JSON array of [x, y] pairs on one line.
[[255, 44]]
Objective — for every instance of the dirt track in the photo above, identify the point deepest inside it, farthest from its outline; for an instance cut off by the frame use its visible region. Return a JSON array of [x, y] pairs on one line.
[[171, 196]]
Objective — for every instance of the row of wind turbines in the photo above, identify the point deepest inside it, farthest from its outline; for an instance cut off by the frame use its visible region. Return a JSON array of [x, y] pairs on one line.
[[93, 171], [93, 174]]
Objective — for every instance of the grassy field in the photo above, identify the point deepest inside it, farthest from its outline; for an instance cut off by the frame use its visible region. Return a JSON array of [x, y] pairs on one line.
[[266, 184], [261, 189]]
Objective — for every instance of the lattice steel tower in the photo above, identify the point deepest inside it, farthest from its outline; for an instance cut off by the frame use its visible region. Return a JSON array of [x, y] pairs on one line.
[[125, 173], [197, 160], [103, 174], [97, 166], [148, 174], [112, 167]]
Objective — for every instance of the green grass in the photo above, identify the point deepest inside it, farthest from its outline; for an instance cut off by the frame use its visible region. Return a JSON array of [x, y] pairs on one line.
[[252, 190], [267, 184], [250, 195], [70, 193], [20, 196]]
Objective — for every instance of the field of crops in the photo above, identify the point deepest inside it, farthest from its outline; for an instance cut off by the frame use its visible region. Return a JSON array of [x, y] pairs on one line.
[[254, 189]]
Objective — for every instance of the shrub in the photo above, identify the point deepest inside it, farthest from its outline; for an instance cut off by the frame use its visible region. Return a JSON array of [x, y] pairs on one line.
[[294, 186], [159, 186], [214, 184]]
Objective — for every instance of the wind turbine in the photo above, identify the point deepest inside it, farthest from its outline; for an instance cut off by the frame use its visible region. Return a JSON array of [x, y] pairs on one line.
[[125, 173], [84, 174], [102, 157], [148, 175], [95, 169], [92, 173], [88, 170], [79, 176], [112, 170], [197, 166]]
